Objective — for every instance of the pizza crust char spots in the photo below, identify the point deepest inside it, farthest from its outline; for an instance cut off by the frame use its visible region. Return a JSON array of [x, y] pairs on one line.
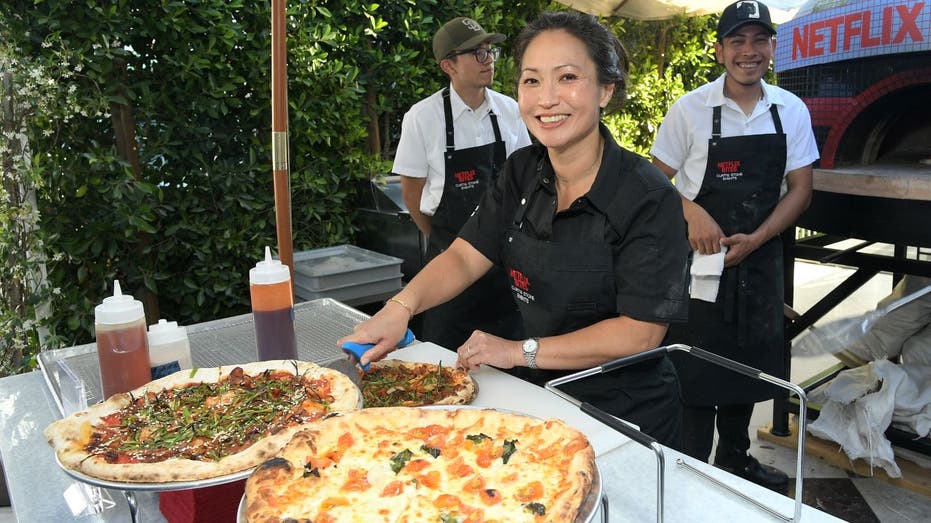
[[192, 424], [410, 464]]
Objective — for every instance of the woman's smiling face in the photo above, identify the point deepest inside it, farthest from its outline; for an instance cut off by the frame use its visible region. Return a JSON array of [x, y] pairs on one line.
[[558, 91]]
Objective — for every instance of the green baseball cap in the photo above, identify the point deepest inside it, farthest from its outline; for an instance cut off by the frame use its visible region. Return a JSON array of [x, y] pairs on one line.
[[461, 34]]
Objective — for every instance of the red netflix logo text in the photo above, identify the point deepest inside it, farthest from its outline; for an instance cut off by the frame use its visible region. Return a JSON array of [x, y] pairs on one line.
[[465, 176], [892, 25], [729, 166]]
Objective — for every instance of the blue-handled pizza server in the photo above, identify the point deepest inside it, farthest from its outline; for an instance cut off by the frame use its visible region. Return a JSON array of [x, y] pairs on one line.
[[356, 350]]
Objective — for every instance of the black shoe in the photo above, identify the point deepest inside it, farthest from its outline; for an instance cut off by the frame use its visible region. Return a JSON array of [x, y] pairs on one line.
[[752, 470]]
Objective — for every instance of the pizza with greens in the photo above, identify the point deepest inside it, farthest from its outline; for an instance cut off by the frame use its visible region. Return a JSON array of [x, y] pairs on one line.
[[396, 383], [199, 423]]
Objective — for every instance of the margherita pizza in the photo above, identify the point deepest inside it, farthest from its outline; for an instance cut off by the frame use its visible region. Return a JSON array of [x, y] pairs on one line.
[[201, 423], [415, 465], [396, 383]]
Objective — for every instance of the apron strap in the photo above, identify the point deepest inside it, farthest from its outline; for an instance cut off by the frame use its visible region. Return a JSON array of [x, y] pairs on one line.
[[716, 122], [777, 123], [494, 125], [448, 113]]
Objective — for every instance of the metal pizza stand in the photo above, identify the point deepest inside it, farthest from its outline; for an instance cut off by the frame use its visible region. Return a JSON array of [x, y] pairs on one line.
[[631, 432], [72, 377]]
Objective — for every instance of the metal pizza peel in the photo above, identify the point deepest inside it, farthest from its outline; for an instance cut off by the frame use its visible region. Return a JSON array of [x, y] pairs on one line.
[[347, 366]]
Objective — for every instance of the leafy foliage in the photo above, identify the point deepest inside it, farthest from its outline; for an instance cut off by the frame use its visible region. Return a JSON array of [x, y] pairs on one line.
[[667, 59], [153, 164]]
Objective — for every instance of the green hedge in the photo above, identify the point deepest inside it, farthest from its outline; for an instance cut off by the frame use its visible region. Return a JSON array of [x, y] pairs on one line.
[[150, 157]]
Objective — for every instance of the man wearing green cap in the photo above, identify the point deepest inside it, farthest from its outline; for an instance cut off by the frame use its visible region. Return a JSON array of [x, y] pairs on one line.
[[452, 145]]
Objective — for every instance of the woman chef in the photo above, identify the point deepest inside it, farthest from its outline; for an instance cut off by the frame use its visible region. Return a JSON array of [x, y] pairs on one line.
[[591, 235]]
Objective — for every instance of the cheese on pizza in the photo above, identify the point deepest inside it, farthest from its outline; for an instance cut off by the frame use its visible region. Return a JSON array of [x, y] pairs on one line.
[[425, 465]]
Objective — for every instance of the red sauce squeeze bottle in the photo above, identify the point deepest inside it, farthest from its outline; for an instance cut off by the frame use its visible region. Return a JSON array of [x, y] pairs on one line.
[[122, 345], [273, 309]]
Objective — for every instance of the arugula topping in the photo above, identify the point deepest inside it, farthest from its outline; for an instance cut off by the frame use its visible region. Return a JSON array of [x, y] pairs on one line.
[[446, 518], [394, 386], [208, 421]]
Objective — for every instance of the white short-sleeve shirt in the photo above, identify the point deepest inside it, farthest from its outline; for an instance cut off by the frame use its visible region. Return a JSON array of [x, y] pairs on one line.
[[420, 152], [682, 140]]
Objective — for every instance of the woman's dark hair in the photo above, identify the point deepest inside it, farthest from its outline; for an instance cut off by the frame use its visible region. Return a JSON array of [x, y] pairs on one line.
[[604, 48]]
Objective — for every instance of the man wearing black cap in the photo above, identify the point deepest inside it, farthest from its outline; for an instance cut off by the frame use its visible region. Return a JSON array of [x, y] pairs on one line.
[[741, 151], [452, 145]]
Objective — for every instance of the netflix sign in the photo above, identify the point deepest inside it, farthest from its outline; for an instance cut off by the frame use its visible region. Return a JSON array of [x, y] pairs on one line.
[[854, 30]]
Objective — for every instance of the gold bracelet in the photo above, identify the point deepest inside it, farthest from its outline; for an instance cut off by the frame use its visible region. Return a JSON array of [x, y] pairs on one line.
[[410, 311]]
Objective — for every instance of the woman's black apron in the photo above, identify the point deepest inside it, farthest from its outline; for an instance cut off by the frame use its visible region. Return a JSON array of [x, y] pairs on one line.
[[740, 189], [563, 286], [487, 304]]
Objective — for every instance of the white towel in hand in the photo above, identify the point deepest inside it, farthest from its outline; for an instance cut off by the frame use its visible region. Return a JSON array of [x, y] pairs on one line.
[[706, 275]]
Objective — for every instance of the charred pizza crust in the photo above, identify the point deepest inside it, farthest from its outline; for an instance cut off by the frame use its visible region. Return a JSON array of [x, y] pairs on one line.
[[412, 464], [70, 436], [398, 383]]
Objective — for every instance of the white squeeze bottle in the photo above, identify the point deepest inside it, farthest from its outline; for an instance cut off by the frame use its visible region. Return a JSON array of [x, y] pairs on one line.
[[169, 349]]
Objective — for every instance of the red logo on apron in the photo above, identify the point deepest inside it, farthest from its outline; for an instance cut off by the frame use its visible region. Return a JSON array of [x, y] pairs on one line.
[[731, 166], [729, 170], [520, 281], [465, 176]]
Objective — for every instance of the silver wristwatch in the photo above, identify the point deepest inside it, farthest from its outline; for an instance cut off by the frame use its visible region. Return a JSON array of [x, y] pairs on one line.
[[530, 348]]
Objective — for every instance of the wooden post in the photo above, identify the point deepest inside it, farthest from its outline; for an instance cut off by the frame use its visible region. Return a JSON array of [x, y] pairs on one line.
[[280, 134]]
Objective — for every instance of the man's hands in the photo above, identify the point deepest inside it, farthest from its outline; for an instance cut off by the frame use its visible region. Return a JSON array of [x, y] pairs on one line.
[[706, 236]]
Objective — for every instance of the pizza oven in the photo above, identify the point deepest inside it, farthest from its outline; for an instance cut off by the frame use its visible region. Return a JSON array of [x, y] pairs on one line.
[[864, 71]]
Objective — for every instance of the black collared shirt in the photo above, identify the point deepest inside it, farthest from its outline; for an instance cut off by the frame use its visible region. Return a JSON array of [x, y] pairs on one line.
[[644, 224]]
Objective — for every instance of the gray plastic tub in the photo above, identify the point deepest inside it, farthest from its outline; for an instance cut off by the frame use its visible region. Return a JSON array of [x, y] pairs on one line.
[[341, 266], [368, 292]]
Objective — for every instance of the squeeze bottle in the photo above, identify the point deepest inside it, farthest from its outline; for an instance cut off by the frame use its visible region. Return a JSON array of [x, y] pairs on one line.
[[273, 309], [169, 349], [122, 347]]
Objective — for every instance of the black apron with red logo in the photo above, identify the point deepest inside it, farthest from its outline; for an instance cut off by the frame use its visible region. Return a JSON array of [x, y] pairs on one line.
[[741, 187], [486, 305], [564, 286]]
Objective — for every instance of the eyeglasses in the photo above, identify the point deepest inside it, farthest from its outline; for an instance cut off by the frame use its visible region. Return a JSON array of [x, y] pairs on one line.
[[481, 54]]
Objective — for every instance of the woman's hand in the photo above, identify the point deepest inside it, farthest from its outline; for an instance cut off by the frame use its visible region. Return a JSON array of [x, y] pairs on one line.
[[385, 330], [489, 349]]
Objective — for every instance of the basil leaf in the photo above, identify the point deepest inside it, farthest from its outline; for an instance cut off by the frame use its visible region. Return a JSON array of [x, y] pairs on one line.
[[510, 447], [400, 459]]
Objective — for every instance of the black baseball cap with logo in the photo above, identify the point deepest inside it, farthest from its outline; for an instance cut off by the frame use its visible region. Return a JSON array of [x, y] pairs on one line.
[[461, 34], [742, 13]]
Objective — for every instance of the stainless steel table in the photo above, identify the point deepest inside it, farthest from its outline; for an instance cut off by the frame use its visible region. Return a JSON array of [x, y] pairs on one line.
[[41, 491]]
